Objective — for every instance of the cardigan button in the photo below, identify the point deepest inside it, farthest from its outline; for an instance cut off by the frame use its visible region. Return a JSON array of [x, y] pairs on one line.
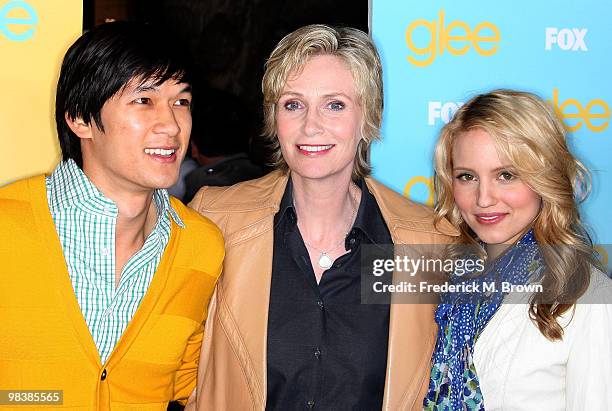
[[103, 376]]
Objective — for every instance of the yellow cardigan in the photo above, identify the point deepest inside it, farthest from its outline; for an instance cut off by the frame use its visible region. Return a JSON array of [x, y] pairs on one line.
[[44, 341]]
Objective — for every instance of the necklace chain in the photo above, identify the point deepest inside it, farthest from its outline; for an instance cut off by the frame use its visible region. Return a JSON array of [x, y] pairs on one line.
[[325, 261]]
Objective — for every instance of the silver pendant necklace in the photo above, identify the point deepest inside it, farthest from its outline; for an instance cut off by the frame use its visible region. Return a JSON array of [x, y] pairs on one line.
[[325, 261]]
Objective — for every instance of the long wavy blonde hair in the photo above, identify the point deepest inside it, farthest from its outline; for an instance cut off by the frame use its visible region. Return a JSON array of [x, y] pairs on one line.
[[527, 133]]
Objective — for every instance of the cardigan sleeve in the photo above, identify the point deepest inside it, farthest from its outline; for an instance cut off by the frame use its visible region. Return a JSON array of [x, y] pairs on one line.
[[185, 377]]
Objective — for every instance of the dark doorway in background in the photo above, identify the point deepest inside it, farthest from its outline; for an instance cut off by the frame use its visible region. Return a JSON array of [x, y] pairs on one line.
[[230, 39]]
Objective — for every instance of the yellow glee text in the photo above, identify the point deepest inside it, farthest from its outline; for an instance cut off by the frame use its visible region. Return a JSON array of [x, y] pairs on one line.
[[427, 181], [34, 35], [573, 109], [457, 37]]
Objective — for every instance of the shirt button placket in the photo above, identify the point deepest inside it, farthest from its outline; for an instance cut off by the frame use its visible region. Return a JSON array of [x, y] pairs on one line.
[[317, 354]]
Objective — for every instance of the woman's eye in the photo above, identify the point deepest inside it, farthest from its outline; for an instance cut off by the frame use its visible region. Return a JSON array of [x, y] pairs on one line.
[[142, 100], [336, 105], [465, 177], [506, 176], [292, 105]]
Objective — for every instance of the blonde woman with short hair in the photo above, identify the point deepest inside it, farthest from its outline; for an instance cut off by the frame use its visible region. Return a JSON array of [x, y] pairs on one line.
[[287, 328]]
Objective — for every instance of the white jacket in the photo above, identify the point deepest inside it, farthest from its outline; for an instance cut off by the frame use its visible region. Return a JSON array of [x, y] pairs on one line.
[[519, 369]]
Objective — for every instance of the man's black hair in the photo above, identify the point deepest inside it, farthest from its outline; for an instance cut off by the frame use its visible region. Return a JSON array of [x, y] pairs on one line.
[[101, 63]]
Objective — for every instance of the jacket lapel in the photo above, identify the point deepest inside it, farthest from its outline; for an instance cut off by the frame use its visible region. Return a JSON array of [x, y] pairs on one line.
[[411, 326], [411, 338], [244, 299]]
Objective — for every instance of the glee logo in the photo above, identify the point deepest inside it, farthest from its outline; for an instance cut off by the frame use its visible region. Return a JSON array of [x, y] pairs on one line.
[[566, 39], [573, 109], [602, 254], [444, 111], [18, 20], [457, 37], [427, 182]]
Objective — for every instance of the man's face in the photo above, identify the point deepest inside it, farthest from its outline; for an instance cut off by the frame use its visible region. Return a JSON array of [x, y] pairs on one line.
[[146, 136]]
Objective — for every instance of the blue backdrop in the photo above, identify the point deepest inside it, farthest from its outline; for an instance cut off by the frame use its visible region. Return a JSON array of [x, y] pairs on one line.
[[436, 55]]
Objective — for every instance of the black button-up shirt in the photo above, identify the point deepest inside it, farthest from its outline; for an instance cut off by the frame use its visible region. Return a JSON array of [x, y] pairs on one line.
[[325, 350]]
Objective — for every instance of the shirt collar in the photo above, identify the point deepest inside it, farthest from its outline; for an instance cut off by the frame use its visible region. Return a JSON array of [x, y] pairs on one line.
[[68, 187], [368, 221], [161, 198], [286, 209]]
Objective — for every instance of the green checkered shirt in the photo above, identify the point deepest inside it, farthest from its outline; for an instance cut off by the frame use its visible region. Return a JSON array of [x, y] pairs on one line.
[[85, 221]]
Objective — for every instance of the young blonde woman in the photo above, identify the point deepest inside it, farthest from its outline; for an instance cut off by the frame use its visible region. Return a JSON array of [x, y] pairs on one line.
[[506, 178]]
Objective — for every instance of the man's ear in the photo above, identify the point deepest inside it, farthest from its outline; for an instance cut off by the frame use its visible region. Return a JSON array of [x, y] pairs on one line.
[[79, 127]]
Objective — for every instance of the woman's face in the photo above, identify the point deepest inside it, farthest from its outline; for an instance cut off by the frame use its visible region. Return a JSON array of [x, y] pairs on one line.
[[493, 201], [318, 119]]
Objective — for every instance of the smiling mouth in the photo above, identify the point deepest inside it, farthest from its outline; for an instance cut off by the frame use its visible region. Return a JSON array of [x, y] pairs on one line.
[[160, 151], [490, 218], [315, 148]]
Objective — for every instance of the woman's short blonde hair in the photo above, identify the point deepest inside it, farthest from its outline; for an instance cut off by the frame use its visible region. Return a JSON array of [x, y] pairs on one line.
[[357, 51], [526, 132]]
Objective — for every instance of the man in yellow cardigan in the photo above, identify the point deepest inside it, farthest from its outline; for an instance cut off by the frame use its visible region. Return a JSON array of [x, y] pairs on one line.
[[105, 279]]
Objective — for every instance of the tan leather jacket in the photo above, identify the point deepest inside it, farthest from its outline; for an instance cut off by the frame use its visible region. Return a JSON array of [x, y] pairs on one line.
[[232, 373]]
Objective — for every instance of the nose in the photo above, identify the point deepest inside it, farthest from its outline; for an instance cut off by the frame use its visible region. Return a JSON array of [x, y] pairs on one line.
[[486, 194], [166, 121], [312, 122]]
